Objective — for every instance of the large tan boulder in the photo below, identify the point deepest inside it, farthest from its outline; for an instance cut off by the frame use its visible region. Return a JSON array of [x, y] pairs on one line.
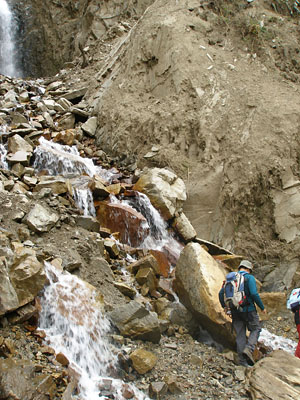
[[275, 377], [198, 280], [165, 190], [26, 273]]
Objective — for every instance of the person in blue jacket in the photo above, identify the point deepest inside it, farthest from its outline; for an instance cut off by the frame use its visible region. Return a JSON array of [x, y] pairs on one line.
[[247, 318]]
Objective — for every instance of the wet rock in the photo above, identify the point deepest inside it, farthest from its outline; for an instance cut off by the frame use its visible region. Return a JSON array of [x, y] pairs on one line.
[[40, 219], [276, 376], [121, 218], [165, 190], [62, 359], [143, 360], [99, 189], [135, 321]]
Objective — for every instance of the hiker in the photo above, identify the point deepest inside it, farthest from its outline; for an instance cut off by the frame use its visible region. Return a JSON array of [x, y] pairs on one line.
[[245, 317], [297, 322], [293, 304]]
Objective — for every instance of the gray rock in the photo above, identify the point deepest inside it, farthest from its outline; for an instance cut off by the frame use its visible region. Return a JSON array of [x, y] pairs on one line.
[[41, 219], [135, 321], [90, 126]]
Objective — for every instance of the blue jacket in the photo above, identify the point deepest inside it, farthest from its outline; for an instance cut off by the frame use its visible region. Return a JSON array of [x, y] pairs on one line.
[[251, 293]]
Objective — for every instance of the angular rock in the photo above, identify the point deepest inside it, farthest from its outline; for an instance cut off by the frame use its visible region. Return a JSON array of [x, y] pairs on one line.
[[184, 228], [198, 279], [26, 274], [57, 183], [8, 296], [67, 121], [125, 289], [131, 225], [135, 321], [276, 376], [165, 190], [90, 126], [144, 262], [17, 143], [21, 157], [99, 189], [143, 360], [41, 219], [146, 276], [89, 223], [18, 380]]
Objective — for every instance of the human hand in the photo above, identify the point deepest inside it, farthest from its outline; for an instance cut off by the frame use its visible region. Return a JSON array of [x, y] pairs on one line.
[[264, 311]]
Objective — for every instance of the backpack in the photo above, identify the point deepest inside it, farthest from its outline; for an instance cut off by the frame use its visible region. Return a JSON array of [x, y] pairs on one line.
[[294, 299], [234, 291]]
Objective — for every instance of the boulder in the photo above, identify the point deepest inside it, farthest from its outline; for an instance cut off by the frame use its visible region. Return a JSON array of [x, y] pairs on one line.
[[131, 225], [135, 321], [165, 190], [184, 228], [17, 143], [198, 280], [26, 274], [22, 157], [40, 219], [143, 360], [57, 183], [8, 296], [275, 377], [144, 262]]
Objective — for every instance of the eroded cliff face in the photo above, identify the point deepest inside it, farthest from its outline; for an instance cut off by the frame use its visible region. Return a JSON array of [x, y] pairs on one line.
[[52, 33]]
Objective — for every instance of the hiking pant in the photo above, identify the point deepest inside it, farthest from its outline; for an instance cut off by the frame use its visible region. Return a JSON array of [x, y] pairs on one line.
[[297, 353], [241, 321]]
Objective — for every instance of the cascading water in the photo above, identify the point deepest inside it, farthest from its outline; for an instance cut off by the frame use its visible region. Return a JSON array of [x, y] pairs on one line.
[[7, 62], [74, 324], [3, 152]]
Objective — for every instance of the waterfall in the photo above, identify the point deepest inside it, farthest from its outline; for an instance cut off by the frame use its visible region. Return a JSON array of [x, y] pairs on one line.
[[3, 152], [7, 62], [75, 326], [159, 237]]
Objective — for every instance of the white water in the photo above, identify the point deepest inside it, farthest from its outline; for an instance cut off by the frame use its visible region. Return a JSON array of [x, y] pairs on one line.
[[75, 326], [7, 64], [277, 342], [159, 236], [57, 159], [84, 200], [3, 152]]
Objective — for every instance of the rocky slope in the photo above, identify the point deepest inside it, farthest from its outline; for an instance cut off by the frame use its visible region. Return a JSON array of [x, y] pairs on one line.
[[208, 89]]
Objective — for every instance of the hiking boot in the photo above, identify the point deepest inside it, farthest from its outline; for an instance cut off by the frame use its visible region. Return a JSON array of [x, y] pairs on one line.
[[248, 355]]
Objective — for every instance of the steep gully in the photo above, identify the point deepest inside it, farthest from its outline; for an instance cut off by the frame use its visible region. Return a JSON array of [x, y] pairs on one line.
[[73, 323]]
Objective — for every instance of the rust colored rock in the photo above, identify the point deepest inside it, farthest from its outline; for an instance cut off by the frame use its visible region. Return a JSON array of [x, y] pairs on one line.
[[62, 359], [163, 262], [123, 219]]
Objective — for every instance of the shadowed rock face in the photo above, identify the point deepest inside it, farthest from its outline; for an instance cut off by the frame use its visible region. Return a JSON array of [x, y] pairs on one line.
[[49, 33]]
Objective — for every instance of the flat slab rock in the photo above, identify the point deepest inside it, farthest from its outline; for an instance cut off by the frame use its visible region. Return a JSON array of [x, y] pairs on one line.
[[275, 377]]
